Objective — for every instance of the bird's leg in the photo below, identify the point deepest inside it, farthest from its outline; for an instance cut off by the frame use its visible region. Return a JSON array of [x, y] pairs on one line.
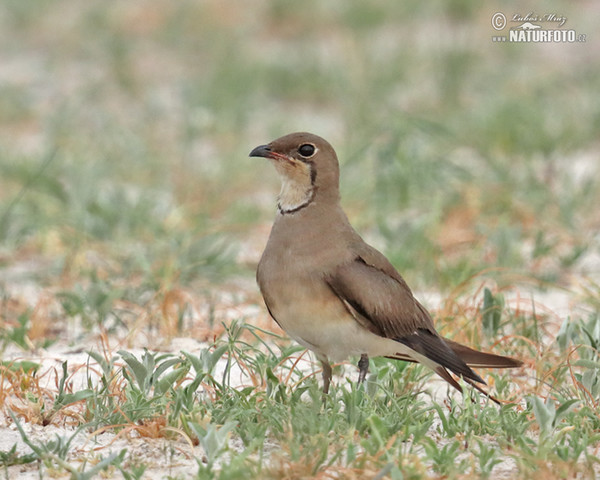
[[326, 375], [363, 368]]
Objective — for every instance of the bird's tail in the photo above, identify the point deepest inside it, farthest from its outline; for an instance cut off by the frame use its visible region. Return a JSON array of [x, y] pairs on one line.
[[477, 359], [470, 357]]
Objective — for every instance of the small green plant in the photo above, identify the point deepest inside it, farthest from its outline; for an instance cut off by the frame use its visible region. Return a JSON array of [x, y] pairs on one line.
[[214, 441], [491, 313], [444, 457], [133, 471], [488, 458], [17, 334], [547, 415], [11, 457], [150, 375], [64, 398], [53, 454], [94, 304]]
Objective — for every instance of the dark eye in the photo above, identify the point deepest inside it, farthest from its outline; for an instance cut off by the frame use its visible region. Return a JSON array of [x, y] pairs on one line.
[[306, 150]]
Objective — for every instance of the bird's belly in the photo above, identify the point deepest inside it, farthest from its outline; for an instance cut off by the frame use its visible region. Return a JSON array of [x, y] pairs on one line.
[[330, 330], [340, 341]]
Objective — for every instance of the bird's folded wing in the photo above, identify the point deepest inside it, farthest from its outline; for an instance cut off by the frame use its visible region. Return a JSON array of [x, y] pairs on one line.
[[386, 305]]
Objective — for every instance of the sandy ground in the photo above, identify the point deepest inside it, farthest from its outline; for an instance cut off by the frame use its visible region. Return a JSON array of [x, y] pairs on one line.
[[178, 457]]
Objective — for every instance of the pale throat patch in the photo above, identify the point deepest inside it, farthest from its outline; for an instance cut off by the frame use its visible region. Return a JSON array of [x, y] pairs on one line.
[[296, 185]]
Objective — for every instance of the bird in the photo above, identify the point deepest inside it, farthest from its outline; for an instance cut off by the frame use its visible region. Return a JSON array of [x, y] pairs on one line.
[[335, 294]]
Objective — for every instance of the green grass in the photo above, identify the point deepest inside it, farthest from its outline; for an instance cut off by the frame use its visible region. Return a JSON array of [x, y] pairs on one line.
[[126, 196], [380, 427]]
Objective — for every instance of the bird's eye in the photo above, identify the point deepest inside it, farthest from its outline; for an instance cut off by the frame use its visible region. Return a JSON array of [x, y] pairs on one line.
[[306, 150]]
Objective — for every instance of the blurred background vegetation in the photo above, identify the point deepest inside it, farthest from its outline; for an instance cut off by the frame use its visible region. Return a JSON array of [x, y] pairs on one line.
[[125, 129]]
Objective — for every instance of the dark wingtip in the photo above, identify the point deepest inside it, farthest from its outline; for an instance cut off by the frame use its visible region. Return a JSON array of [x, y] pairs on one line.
[[436, 349], [477, 359]]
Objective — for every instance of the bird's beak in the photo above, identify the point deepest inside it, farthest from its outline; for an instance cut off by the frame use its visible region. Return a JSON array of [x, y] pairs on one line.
[[262, 151]]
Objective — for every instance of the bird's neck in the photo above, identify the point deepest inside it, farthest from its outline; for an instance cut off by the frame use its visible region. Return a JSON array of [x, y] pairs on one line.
[[295, 194]]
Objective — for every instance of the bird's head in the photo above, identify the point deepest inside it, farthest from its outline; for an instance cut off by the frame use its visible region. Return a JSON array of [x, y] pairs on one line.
[[308, 167]]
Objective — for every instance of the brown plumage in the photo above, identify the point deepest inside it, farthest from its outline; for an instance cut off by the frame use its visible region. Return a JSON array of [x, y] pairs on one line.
[[332, 292]]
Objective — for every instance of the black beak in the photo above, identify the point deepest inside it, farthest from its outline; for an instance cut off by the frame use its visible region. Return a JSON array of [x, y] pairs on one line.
[[262, 151]]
